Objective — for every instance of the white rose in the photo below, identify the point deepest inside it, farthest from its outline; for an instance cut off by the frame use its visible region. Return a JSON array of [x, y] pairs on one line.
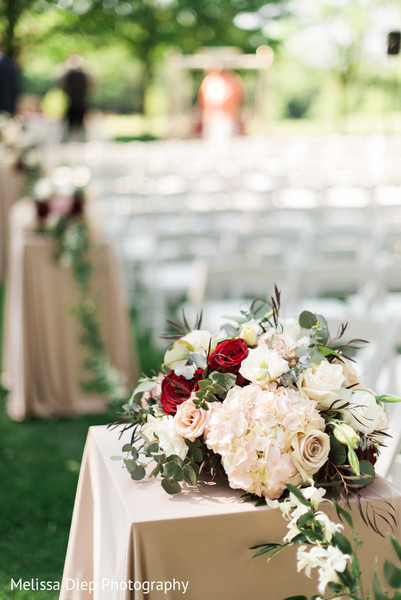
[[198, 339], [322, 383], [310, 451], [169, 441], [263, 365], [364, 414]]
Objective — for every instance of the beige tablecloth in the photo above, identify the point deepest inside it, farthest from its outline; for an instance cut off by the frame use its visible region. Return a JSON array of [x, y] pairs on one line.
[[11, 186], [43, 357], [127, 533]]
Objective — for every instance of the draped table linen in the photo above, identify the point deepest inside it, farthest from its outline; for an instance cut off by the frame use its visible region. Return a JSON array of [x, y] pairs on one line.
[[129, 534], [43, 356], [11, 186]]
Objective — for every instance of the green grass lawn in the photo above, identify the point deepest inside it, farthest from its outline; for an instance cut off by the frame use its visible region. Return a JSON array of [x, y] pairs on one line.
[[39, 467]]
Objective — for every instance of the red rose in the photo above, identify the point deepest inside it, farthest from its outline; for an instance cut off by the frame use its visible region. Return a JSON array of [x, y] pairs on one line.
[[228, 356], [176, 389]]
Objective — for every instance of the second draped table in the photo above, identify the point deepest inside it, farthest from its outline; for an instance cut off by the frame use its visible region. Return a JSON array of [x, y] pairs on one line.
[[43, 357]]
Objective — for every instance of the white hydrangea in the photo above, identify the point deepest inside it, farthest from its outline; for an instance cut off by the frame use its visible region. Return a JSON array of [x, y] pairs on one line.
[[252, 431]]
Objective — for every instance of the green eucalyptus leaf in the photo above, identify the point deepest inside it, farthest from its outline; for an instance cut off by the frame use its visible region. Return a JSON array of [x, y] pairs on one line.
[[189, 475], [116, 458], [194, 452], [175, 458], [316, 356], [127, 448], [138, 473], [153, 448], [173, 471], [170, 486], [130, 464], [307, 319]]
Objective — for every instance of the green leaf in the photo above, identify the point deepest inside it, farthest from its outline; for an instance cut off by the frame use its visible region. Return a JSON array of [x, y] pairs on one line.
[[338, 453], [343, 513], [130, 464], [367, 468], [329, 352], [194, 452], [353, 461], [153, 448], [342, 543], [170, 486], [392, 574], [127, 448], [378, 588], [302, 521], [316, 356], [298, 494], [156, 471], [335, 588], [116, 458], [307, 319], [138, 473], [296, 598], [175, 458], [265, 549], [189, 475], [173, 471], [396, 545]]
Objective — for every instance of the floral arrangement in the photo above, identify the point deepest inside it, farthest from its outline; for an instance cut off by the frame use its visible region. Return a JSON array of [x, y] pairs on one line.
[[267, 402]]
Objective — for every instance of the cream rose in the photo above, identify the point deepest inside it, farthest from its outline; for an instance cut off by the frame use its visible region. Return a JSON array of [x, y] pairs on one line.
[[190, 421], [321, 383], [310, 451], [363, 413]]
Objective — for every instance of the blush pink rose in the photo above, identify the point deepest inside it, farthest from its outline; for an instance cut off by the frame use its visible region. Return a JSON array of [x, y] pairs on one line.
[[190, 421]]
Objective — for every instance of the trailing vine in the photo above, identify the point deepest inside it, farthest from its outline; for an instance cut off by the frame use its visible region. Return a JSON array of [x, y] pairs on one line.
[[73, 244]]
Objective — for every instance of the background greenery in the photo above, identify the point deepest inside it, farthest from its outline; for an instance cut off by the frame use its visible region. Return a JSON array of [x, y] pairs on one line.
[[125, 45]]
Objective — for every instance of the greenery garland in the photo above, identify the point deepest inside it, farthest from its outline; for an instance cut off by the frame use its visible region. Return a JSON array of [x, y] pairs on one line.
[[72, 236]]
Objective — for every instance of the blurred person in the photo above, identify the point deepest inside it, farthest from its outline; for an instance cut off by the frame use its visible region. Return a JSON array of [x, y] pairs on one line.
[[8, 83], [76, 84], [220, 98]]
